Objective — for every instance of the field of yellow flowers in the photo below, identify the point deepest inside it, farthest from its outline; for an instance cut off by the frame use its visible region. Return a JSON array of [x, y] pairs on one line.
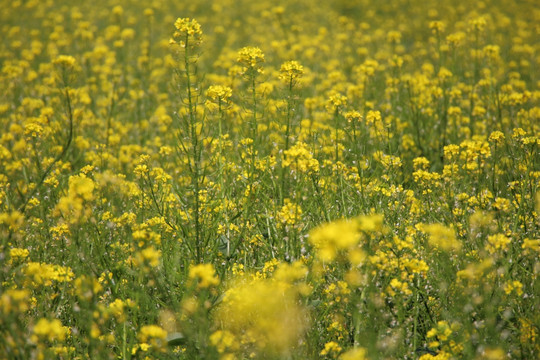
[[236, 179]]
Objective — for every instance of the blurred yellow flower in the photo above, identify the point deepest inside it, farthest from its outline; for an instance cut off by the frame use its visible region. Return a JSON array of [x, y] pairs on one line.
[[333, 237], [49, 330], [263, 313], [204, 275], [442, 237]]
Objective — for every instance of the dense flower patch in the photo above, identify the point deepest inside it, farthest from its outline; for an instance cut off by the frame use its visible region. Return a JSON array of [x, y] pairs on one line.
[[269, 180]]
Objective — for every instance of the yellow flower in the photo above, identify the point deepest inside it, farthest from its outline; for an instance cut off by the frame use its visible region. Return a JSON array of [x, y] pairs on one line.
[[14, 300], [370, 223], [80, 185], [437, 27], [373, 117], [333, 237], [290, 72], [532, 244], [251, 59], [13, 219], [224, 341], [66, 61], [204, 275], [393, 37], [72, 206], [477, 24], [441, 237], [50, 330], [187, 31], [336, 102], [353, 116], [263, 314], [149, 256], [18, 254], [331, 348], [497, 242], [513, 286], [187, 26], [152, 335], [299, 158], [290, 213], [219, 93], [45, 274], [354, 354]]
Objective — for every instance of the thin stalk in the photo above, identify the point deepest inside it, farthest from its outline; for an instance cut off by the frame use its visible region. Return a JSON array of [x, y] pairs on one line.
[[287, 134], [196, 153]]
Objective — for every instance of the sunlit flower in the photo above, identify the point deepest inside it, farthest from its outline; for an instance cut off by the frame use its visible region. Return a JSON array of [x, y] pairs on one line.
[[204, 275]]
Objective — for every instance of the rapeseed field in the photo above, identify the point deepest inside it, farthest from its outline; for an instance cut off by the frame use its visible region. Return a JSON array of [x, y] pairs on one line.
[[270, 179]]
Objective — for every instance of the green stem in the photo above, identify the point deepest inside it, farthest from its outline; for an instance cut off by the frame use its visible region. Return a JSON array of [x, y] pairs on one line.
[[196, 153], [287, 134]]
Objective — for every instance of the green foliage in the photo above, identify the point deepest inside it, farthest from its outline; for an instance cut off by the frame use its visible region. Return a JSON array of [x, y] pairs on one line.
[[341, 180]]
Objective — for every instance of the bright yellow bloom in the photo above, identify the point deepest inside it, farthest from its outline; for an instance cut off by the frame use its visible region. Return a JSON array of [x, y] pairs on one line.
[[187, 26], [331, 348], [497, 242], [66, 61], [353, 116], [290, 72], [442, 237], [152, 335], [14, 300], [204, 275], [45, 274], [18, 254], [336, 102], [513, 286], [219, 93], [333, 237], [149, 256], [224, 341], [187, 31], [354, 354], [50, 330], [251, 59], [263, 313], [299, 158], [290, 213]]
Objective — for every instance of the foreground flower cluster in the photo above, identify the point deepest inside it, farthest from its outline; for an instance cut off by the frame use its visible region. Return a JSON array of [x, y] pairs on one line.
[[343, 180]]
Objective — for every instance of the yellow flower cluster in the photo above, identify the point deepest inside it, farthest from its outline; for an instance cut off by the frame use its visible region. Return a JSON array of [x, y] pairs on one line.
[[263, 313], [185, 28], [188, 33], [49, 330], [299, 158], [45, 274], [148, 256], [152, 335], [344, 236], [228, 204], [336, 102], [290, 213], [441, 237], [290, 72], [66, 61], [219, 93], [251, 59], [14, 301], [74, 206], [204, 275]]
